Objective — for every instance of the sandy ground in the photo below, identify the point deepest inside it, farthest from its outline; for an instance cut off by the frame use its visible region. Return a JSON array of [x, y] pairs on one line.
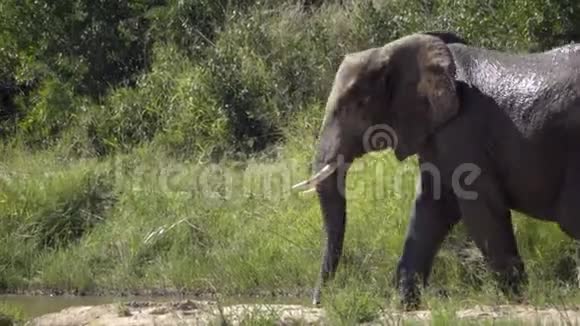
[[204, 313]]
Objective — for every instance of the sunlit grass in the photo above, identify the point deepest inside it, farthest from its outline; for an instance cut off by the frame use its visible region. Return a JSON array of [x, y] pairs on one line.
[[145, 221], [10, 314], [181, 182], [235, 228]]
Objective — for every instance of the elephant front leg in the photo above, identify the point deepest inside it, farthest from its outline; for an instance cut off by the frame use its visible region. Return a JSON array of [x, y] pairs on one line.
[[431, 220]]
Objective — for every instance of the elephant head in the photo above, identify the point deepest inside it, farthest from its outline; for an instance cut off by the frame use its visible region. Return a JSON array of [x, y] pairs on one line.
[[407, 85]]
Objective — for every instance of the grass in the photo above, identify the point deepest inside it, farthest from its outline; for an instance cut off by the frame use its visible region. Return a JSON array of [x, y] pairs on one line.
[[147, 222], [138, 190], [10, 314], [144, 222]]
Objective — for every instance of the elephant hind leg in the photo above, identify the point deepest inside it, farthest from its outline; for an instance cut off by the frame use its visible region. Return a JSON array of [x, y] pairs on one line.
[[569, 211], [569, 208]]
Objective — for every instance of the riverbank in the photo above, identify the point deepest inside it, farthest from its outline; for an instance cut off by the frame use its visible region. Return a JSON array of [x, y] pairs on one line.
[[211, 313]]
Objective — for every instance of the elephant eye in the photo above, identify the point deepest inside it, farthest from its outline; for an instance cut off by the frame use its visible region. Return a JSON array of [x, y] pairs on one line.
[[363, 101]]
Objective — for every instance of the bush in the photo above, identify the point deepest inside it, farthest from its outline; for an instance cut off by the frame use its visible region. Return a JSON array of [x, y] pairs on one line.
[[91, 45], [192, 25], [254, 64], [552, 23], [242, 86], [172, 104], [50, 110], [196, 126]]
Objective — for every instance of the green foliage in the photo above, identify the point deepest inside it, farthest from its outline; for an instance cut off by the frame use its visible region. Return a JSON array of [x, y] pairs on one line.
[[553, 23], [192, 25], [74, 214], [10, 315], [114, 110], [51, 108], [516, 25], [91, 44], [242, 85], [45, 208], [208, 78], [172, 104]]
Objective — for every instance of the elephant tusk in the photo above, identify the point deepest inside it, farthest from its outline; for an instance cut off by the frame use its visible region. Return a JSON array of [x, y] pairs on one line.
[[301, 185], [324, 173], [308, 192]]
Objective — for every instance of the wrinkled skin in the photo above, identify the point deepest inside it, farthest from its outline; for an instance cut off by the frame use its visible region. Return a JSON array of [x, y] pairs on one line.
[[516, 117]]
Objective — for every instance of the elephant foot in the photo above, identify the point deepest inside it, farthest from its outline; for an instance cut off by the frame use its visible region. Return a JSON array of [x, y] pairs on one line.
[[407, 284], [410, 298], [410, 294], [512, 284]]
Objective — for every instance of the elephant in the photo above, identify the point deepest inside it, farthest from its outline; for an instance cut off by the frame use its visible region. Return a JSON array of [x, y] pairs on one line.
[[512, 118]]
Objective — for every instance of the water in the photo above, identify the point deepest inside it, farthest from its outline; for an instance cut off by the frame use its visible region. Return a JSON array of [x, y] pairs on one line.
[[34, 306]]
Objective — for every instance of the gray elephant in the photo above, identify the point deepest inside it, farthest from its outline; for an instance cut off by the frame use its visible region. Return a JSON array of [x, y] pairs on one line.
[[513, 119]]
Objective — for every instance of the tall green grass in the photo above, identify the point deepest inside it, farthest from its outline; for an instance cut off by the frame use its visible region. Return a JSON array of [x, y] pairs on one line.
[[178, 178], [145, 221], [10, 315]]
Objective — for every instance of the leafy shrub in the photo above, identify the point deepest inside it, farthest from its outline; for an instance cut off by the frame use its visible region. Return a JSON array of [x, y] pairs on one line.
[[552, 23], [192, 25], [517, 25], [242, 87], [196, 126], [171, 104], [50, 110], [251, 66], [91, 44]]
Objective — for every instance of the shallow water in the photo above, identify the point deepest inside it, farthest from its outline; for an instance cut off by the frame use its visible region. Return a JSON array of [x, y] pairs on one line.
[[34, 306]]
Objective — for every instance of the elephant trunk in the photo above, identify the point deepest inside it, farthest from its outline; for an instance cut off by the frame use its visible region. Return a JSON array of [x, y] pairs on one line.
[[329, 179], [333, 209]]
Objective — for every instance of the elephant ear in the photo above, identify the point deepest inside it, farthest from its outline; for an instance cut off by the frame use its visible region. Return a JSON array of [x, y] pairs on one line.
[[437, 80], [447, 37]]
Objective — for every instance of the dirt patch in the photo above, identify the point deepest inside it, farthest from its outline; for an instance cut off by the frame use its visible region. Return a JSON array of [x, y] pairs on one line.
[[207, 312], [513, 313], [179, 313]]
